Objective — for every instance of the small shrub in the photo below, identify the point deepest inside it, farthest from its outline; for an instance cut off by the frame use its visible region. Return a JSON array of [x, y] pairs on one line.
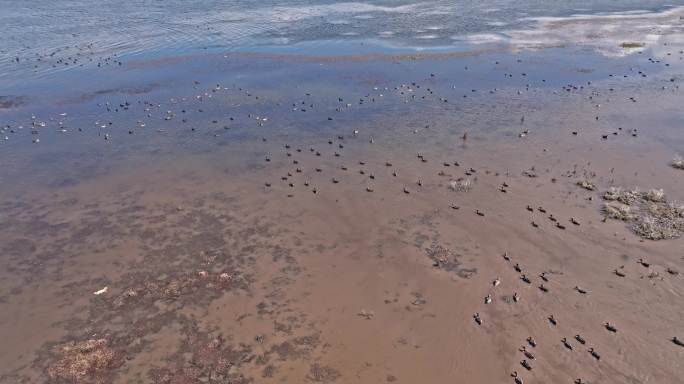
[[653, 228], [678, 162], [461, 185], [654, 217], [654, 195], [618, 211], [586, 184], [621, 195]]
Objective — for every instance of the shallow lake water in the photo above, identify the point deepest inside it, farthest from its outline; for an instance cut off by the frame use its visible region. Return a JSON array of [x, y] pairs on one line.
[[338, 192]]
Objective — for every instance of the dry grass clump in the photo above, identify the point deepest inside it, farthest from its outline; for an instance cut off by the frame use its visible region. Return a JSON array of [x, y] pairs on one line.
[[461, 185], [78, 360], [624, 196], [654, 217], [654, 195], [678, 162], [670, 211], [618, 211], [657, 228], [586, 184]]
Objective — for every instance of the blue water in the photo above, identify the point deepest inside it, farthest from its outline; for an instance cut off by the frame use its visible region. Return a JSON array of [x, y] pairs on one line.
[[71, 64], [43, 36]]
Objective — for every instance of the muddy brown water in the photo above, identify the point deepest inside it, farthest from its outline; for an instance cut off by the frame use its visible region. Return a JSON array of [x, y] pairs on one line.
[[218, 270]]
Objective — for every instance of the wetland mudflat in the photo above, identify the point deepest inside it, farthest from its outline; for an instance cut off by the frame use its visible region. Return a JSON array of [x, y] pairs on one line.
[[496, 201]]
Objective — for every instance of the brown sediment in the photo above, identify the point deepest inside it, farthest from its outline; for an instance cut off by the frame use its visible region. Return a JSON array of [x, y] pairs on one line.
[[242, 287], [215, 275]]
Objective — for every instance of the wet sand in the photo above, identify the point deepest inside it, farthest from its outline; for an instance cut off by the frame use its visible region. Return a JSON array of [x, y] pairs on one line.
[[344, 221]]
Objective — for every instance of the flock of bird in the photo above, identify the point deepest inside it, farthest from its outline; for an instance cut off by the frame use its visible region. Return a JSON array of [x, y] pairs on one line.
[[432, 89], [68, 56], [308, 166], [528, 357]]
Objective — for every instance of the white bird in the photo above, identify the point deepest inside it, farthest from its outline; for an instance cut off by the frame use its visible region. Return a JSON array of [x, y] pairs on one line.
[[496, 282], [488, 299], [101, 291], [516, 298]]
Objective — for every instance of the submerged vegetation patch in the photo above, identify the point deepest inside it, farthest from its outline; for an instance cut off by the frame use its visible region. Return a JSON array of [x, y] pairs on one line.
[[79, 362], [632, 45], [9, 101]]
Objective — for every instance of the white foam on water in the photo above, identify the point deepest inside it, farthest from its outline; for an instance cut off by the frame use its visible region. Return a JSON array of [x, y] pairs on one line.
[[481, 38], [603, 32], [339, 22], [281, 14]]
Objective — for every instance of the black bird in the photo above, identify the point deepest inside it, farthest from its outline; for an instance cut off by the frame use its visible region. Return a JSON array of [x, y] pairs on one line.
[[517, 379], [527, 353], [594, 354], [477, 318], [525, 364], [566, 344], [580, 290]]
